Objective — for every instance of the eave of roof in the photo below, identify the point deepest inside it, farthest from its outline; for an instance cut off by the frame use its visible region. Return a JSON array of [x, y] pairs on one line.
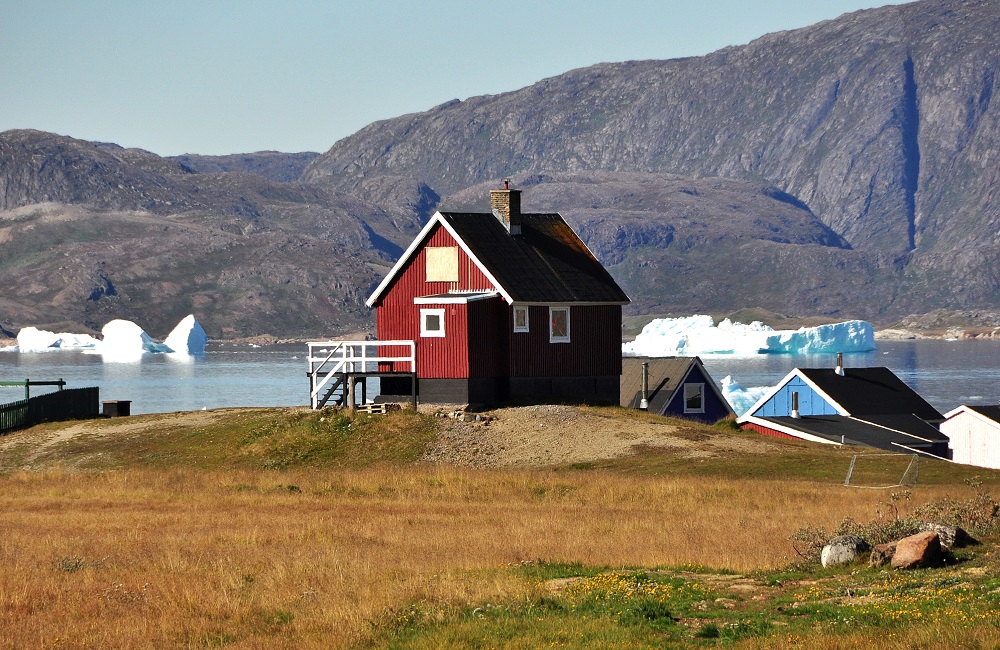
[[839, 429]]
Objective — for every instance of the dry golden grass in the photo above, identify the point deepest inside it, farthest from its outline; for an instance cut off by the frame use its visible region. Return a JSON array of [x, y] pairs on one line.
[[318, 558]]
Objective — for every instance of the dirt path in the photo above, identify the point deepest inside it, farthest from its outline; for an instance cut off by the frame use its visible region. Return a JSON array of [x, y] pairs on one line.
[[533, 436]]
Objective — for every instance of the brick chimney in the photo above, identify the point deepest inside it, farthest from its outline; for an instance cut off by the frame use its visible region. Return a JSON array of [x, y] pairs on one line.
[[506, 206]]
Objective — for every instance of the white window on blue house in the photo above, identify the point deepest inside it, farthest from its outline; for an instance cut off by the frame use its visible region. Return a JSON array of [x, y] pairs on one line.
[[432, 322], [558, 324], [520, 319], [694, 398]]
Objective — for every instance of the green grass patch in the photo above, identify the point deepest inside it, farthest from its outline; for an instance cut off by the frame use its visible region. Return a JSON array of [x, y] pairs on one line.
[[673, 608], [253, 438]]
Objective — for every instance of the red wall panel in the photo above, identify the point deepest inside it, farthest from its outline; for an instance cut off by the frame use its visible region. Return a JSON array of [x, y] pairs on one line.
[[595, 346], [765, 431], [396, 316]]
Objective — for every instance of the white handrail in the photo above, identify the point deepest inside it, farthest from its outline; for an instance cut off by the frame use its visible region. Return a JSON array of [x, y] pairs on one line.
[[353, 357]]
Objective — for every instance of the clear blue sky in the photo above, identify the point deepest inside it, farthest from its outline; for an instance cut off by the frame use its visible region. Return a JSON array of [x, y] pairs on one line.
[[215, 77]]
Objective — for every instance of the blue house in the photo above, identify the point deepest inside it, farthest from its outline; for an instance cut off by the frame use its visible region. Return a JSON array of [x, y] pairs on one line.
[[855, 406], [677, 386]]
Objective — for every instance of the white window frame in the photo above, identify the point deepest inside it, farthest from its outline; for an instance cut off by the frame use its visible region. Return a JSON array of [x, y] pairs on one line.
[[552, 337], [427, 333], [527, 325], [701, 391]]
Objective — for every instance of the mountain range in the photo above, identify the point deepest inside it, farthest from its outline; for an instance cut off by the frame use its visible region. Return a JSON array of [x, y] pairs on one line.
[[847, 169]]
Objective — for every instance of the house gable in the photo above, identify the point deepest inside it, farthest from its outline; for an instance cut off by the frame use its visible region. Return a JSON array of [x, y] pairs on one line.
[[714, 405], [667, 378], [812, 400], [438, 233]]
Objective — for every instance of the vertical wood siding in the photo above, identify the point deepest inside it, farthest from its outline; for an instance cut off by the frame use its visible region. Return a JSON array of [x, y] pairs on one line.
[[972, 440], [595, 347], [810, 402], [489, 337], [396, 317], [479, 340], [764, 431]]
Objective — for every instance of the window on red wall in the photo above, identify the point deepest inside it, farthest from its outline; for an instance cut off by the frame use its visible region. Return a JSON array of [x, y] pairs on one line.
[[558, 324], [520, 319], [432, 322]]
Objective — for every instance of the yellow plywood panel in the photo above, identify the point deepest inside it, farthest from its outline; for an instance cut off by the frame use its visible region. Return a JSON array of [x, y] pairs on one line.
[[442, 263]]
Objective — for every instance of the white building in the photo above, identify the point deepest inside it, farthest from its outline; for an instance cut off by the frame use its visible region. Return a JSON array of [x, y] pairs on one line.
[[974, 435]]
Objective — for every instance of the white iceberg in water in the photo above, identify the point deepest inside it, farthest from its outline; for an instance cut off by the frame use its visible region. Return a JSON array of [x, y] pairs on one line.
[[741, 399], [699, 336], [121, 340], [850, 336], [32, 339], [188, 337]]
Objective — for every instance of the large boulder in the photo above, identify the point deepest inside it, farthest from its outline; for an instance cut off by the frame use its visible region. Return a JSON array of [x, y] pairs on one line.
[[882, 554], [843, 550], [949, 536], [920, 550]]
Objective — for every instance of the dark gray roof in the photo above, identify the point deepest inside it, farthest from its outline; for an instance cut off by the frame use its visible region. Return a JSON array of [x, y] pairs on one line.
[[871, 391], [912, 432], [547, 262], [665, 376], [992, 412]]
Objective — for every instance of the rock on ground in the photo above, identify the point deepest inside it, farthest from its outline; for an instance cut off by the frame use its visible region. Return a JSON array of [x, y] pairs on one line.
[[920, 550], [843, 550]]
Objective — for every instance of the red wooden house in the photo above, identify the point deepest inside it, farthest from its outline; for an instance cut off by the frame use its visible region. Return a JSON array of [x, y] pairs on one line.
[[503, 307]]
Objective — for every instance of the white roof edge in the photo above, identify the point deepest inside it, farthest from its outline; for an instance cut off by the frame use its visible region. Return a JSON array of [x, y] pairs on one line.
[[882, 426], [709, 380], [795, 433], [784, 380], [971, 410], [921, 452], [436, 218], [768, 395], [955, 411]]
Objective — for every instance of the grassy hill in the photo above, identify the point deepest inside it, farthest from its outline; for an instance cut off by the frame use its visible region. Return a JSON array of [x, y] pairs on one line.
[[252, 528]]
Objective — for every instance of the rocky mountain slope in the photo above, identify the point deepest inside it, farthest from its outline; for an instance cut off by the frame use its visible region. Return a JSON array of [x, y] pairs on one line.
[[880, 122], [272, 165], [90, 232], [848, 169]]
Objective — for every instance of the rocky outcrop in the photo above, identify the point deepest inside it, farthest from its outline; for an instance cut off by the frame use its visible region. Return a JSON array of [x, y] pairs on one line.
[[90, 232], [272, 165]]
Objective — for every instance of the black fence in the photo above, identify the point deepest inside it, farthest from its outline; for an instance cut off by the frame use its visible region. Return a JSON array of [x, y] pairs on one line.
[[71, 404]]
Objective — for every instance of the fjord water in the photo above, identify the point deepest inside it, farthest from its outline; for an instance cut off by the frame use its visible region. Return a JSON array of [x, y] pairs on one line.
[[945, 373]]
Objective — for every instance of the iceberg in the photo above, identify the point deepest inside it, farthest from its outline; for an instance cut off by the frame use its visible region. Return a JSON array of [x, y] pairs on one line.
[[121, 340], [32, 339], [699, 336], [740, 398], [124, 340], [188, 337]]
